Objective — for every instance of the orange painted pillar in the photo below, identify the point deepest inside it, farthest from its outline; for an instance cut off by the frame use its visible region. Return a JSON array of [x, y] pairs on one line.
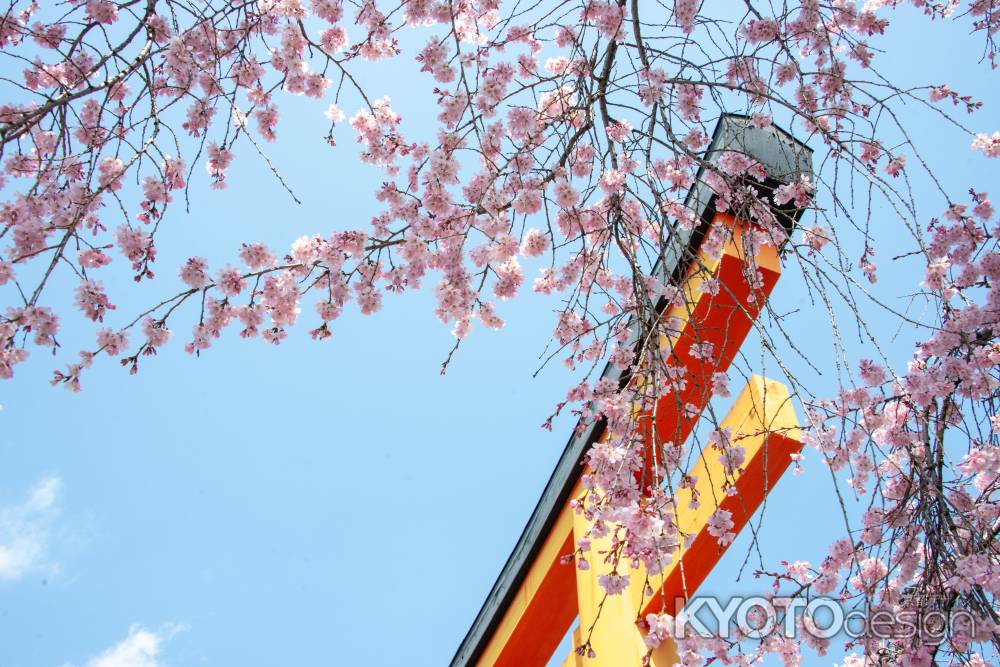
[[723, 294], [721, 301], [543, 609]]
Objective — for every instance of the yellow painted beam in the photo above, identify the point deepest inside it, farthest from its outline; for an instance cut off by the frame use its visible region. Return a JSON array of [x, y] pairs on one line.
[[543, 608]]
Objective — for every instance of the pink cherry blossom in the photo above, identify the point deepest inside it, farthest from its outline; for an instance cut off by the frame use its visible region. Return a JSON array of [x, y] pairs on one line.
[[720, 525], [194, 273], [535, 243], [989, 145]]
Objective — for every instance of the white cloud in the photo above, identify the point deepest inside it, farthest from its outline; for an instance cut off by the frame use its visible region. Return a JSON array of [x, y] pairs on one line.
[[25, 529], [140, 649]]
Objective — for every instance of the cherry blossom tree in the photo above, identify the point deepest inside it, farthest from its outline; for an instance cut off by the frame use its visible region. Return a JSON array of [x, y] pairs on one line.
[[567, 132]]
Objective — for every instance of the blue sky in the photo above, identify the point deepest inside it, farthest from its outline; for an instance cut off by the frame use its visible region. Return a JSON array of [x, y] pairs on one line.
[[332, 503]]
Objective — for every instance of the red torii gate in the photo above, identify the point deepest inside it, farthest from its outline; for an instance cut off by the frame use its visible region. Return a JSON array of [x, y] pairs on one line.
[[536, 598]]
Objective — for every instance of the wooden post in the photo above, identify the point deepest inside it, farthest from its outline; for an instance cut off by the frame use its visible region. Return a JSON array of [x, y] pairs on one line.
[[535, 598]]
